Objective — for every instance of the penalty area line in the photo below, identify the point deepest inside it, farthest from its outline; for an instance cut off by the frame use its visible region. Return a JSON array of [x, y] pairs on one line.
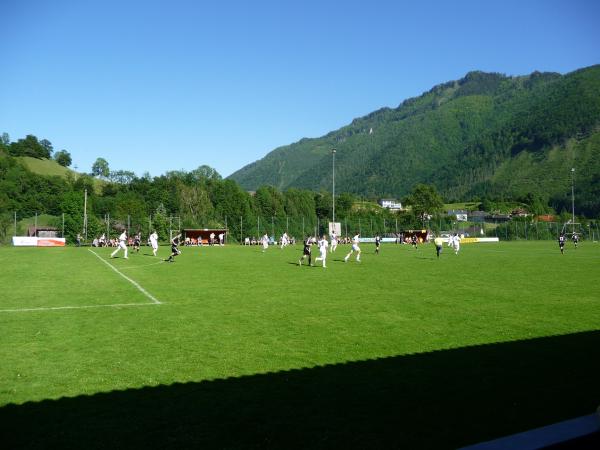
[[57, 308], [136, 284]]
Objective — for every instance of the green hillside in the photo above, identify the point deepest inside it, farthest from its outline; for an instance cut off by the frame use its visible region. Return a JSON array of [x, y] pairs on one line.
[[50, 167], [486, 135], [46, 167]]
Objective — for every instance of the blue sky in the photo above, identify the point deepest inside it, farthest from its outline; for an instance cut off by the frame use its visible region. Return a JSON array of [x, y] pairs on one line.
[[168, 85]]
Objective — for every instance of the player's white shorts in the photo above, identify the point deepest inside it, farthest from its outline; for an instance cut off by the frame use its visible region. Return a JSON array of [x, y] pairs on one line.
[[154, 245], [122, 245], [355, 247]]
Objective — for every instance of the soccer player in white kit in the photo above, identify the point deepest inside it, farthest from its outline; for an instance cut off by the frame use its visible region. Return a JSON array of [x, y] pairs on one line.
[[154, 242], [355, 248], [265, 242], [334, 242], [456, 243], [122, 245], [323, 244], [284, 240]]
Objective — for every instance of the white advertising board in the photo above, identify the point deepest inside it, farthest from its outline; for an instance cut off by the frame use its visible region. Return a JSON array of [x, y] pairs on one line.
[[32, 241], [335, 227], [24, 241]]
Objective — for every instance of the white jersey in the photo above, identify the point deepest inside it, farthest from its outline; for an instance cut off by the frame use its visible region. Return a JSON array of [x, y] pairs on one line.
[[355, 242], [154, 240], [123, 241], [456, 242], [323, 244]]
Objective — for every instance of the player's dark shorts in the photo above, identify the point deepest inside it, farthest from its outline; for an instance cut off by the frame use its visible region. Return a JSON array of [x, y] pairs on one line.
[[174, 249], [306, 251], [136, 242]]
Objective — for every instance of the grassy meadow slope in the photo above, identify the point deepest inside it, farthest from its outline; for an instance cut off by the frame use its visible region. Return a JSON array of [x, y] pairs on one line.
[[47, 167]]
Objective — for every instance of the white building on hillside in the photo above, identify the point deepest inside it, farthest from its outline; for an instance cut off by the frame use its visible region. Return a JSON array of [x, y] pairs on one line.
[[390, 204]]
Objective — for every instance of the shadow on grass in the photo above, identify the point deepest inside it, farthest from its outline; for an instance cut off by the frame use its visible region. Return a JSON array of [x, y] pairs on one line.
[[443, 399]]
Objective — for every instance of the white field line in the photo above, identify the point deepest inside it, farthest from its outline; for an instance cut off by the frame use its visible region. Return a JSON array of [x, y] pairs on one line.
[[54, 308], [114, 305], [140, 288]]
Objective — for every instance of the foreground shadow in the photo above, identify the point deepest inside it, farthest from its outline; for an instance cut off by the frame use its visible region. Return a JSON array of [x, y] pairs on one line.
[[443, 399]]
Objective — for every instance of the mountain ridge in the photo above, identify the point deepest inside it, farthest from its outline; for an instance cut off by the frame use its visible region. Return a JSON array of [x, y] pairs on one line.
[[455, 136]]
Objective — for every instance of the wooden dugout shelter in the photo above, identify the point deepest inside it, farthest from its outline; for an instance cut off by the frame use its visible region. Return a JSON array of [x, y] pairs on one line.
[[421, 235], [203, 234]]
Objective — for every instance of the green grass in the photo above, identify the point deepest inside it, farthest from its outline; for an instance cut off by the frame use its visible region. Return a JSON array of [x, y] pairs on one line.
[[399, 350], [468, 206]]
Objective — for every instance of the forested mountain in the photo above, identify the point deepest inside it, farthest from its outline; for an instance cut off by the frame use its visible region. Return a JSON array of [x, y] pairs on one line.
[[486, 136]]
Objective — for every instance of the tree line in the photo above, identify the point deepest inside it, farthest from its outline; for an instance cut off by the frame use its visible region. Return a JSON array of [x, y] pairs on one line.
[[200, 198], [31, 146]]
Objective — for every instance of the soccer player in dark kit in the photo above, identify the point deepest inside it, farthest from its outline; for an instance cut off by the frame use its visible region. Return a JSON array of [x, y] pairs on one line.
[[377, 244], [306, 251], [575, 238], [137, 240], [561, 243], [174, 250]]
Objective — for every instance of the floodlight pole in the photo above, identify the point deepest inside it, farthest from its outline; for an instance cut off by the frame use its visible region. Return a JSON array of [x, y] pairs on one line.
[[333, 181], [85, 215], [573, 198]]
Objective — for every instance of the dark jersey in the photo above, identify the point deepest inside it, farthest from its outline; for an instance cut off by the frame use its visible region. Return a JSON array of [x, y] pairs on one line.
[[307, 246], [561, 241], [377, 241]]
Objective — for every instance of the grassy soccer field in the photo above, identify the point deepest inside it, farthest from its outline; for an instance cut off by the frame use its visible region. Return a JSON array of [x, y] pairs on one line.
[[230, 347]]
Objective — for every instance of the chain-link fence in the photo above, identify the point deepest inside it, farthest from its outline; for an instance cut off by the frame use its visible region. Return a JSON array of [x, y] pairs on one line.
[[239, 229]]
